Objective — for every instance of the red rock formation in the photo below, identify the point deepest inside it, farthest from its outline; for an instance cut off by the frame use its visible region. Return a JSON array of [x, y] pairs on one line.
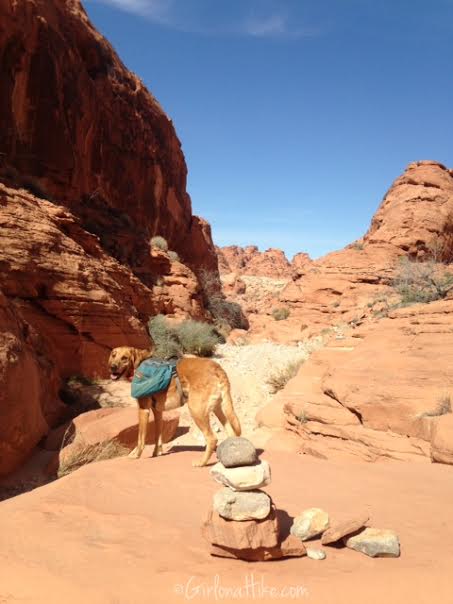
[[250, 261], [79, 128], [90, 169], [382, 394], [414, 220]]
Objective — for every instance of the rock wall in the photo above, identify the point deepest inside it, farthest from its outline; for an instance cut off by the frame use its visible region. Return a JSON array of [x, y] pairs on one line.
[[79, 128], [90, 170]]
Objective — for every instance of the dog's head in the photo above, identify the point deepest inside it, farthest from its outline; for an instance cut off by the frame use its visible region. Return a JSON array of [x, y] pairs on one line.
[[124, 360]]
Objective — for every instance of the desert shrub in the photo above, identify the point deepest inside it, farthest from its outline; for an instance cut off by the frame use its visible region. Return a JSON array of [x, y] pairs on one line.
[[174, 256], [278, 380], [280, 314], [197, 338], [84, 454], [422, 281], [191, 337], [159, 242], [220, 308], [166, 342]]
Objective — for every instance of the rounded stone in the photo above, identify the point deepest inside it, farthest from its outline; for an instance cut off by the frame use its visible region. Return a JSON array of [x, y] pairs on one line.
[[310, 523], [249, 505], [243, 478], [316, 554], [236, 451]]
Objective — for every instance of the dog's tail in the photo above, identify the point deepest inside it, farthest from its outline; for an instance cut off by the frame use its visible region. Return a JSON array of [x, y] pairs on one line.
[[232, 424]]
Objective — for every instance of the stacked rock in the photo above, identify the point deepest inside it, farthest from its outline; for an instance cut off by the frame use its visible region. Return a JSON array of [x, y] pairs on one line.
[[243, 522]]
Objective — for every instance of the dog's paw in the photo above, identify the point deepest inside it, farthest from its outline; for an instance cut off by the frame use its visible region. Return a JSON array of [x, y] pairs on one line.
[[134, 454], [198, 464], [158, 452]]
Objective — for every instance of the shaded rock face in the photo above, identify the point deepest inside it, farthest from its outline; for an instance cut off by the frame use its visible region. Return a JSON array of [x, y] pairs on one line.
[[113, 156], [28, 388]]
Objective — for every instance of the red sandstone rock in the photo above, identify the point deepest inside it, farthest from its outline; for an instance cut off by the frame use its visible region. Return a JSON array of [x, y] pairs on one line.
[[106, 425], [29, 402], [250, 261], [344, 528], [442, 439], [75, 256], [379, 395], [245, 535], [291, 547], [114, 157]]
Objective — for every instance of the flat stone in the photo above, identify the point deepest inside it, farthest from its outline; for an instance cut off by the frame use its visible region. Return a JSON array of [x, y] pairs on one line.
[[373, 542], [244, 478], [240, 506], [316, 554], [236, 451], [345, 528], [311, 523], [249, 534], [291, 547]]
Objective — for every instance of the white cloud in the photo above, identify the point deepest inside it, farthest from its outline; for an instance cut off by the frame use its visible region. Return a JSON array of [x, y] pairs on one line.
[[272, 25], [156, 10], [177, 15]]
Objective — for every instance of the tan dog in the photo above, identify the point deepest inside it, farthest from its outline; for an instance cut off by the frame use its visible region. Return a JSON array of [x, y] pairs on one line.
[[205, 388]]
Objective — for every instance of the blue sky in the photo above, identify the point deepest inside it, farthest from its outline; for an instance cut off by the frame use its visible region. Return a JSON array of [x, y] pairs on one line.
[[295, 116]]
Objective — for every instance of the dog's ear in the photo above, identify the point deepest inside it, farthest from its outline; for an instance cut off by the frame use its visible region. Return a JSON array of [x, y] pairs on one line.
[[138, 355]]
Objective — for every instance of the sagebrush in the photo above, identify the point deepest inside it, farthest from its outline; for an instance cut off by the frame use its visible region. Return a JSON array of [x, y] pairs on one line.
[[422, 281], [159, 243], [280, 314], [188, 337]]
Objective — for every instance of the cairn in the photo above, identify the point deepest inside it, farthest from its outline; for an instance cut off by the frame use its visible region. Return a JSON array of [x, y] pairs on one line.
[[243, 522]]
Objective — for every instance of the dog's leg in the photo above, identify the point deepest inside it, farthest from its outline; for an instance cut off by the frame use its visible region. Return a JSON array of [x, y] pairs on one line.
[[157, 432], [202, 421], [143, 418]]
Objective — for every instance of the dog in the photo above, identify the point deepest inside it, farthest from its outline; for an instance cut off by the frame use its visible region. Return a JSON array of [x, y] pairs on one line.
[[204, 385]]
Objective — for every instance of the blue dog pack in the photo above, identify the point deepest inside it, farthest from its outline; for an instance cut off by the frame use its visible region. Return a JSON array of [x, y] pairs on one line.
[[152, 376]]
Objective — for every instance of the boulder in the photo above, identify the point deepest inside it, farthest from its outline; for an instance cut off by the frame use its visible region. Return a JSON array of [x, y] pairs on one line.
[[236, 451], [373, 542], [243, 478], [249, 505]]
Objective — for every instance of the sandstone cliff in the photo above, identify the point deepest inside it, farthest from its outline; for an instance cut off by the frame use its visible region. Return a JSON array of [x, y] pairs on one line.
[[90, 170]]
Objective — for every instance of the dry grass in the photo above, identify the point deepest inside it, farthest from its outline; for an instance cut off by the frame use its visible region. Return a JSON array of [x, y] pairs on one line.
[[174, 256], [278, 380], [83, 454], [443, 407]]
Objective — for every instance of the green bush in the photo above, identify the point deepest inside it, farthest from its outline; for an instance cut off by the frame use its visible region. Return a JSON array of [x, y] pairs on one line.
[[190, 337], [422, 281], [280, 314], [166, 342], [221, 309], [197, 338], [159, 242]]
